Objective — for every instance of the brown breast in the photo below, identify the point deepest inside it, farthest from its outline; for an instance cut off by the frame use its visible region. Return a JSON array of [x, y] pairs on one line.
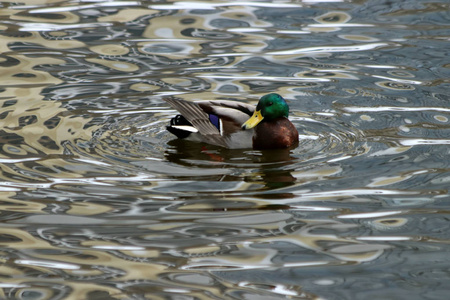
[[276, 134]]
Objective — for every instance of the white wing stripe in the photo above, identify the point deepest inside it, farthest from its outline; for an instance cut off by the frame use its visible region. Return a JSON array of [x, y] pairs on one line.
[[185, 128]]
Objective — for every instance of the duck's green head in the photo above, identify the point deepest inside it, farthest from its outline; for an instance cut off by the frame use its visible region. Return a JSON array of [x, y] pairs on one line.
[[269, 107], [272, 106]]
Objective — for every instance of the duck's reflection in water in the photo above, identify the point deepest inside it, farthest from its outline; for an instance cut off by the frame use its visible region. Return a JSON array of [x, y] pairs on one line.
[[269, 168]]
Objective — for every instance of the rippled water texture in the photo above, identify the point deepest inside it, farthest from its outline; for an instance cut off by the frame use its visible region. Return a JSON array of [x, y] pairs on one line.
[[98, 201]]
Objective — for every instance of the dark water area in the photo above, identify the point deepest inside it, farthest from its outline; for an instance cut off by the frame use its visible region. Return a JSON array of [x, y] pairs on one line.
[[98, 201]]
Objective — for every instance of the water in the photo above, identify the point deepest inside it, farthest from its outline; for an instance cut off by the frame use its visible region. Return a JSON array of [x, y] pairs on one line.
[[99, 202]]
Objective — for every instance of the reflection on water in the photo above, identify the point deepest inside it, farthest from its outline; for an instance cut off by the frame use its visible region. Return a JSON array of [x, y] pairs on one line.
[[97, 201]]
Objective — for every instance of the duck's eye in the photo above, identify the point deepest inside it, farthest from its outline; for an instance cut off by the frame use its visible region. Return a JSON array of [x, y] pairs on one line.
[[270, 103]]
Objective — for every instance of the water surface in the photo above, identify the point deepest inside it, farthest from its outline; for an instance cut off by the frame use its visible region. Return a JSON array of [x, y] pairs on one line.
[[98, 201]]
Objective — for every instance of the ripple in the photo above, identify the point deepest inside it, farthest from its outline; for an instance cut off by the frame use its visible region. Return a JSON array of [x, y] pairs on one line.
[[79, 7], [396, 85], [330, 49], [99, 201], [371, 214], [212, 5], [333, 17], [394, 108], [415, 142], [47, 264], [110, 49], [55, 27]]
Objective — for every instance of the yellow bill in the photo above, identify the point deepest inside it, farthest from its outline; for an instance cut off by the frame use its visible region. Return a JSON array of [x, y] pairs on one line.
[[253, 121]]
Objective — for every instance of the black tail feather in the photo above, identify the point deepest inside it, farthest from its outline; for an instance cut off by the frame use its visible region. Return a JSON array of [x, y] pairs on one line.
[[179, 120]]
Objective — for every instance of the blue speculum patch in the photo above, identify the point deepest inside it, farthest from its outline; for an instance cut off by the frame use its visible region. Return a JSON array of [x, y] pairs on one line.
[[215, 120]]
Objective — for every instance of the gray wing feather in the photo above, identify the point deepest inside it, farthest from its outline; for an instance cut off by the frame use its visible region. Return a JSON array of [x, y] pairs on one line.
[[245, 108], [199, 119], [232, 112]]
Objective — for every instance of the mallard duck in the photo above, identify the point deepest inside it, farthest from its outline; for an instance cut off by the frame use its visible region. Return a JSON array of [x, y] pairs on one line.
[[235, 125]]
